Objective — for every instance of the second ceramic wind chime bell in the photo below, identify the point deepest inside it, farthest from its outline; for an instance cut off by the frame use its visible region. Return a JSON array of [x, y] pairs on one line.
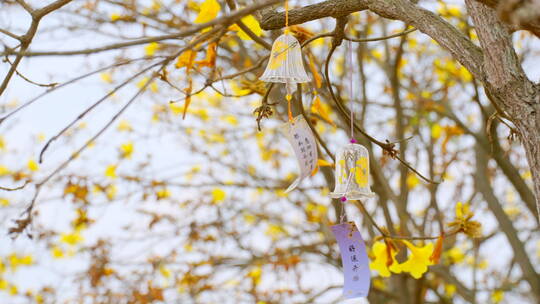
[[286, 66], [352, 163], [352, 173]]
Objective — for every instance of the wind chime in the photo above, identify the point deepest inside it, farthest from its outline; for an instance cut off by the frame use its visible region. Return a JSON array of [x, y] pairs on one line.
[[352, 183], [352, 160], [286, 66]]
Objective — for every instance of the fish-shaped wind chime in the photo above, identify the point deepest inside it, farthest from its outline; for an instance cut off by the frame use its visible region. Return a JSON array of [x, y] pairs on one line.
[[352, 161], [286, 66]]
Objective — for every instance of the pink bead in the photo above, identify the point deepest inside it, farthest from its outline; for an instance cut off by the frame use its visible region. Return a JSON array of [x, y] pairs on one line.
[[353, 141], [343, 199]]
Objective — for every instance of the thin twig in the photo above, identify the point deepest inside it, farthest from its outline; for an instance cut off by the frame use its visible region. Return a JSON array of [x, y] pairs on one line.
[[319, 139], [388, 147], [23, 223], [16, 188], [47, 85], [89, 109], [71, 81], [222, 21], [384, 234]]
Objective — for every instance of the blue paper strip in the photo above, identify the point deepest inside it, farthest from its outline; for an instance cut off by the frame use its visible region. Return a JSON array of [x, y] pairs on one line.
[[355, 260]]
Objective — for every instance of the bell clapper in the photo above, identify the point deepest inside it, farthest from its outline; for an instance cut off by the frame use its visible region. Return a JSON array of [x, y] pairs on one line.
[[289, 88]]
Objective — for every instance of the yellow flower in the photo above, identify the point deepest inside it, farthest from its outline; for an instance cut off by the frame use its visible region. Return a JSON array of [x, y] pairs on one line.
[[275, 231], [315, 212], [436, 131], [218, 195], [115, 17], [377, 54], [4, 202], [412, 180], [106, 77], [110, 171], [379, 284], [186, 59], [252, 23], [126, 150], [4, 170], [210, 60], [73, 238], [281, 193], [2, 143], [144, 81], [255, 275], [3, 284], [165, 272], [110, 191], [209, 10], [175, 108], [154, 87], [418, 261], [449, 10], [151, 48], [124, 125], [32, 165], [15, 261], [230, 119], [163, 193], [463, 223], [57, 252], [249, 218], [383, 263], [322, 110], [497, 296], [27, 260], [450, 289], [455, 255]]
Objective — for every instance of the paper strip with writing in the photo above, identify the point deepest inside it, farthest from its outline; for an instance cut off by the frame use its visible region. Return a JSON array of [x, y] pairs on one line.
[[355, 260], [304, 145]]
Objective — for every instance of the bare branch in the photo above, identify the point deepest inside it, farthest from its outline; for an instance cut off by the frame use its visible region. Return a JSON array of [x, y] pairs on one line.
[[427, 22], [71, 81], [225, 20], [10, 34]]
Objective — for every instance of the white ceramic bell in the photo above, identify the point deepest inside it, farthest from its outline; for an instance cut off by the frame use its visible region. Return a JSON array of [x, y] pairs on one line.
[[352, 173], [285, 64]]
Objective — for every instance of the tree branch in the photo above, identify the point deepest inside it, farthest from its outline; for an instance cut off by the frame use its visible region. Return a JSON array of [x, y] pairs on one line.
[[524, 15], [229, 19], [333, 8], [463, 50]]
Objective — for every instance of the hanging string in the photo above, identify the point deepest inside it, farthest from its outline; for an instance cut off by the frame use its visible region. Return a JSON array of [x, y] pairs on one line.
[[288, 85], [344, 198], [286, 16], [351, 90], [342, 212]]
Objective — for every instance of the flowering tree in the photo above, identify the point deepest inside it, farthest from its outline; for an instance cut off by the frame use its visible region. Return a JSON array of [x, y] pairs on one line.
[[169, 185]]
